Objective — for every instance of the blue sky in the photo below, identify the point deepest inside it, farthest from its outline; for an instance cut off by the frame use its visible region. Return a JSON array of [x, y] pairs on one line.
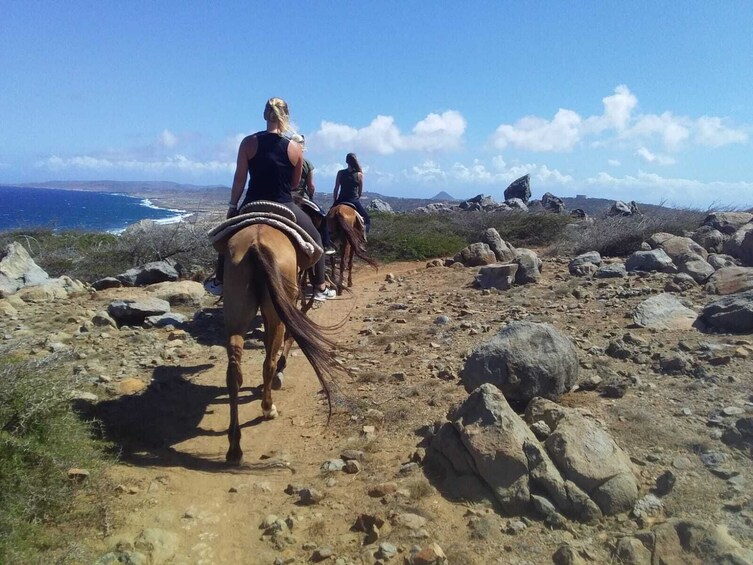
[[649, 101]]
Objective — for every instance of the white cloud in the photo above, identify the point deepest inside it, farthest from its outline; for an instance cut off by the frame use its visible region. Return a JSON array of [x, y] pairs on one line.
[[178, 163], [712, 132], [616, 122], [562, 133], [427, 171], [649, 157], [436, 132], [478, 173], [613, 163], [168, 138]]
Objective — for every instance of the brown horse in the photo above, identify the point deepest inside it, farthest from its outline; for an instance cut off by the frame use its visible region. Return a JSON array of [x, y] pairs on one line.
[[262, 272], [344, 225]]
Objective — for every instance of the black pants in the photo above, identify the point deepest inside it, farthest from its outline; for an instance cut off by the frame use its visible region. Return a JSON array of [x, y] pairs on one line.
[[303, 220]]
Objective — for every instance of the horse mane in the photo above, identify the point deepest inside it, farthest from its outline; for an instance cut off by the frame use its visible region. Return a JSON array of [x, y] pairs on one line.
[[309, 335]]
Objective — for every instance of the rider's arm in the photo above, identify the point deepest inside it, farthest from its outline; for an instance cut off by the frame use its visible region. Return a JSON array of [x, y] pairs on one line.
[[241, 172], [360, 184], [337, 187], [310, 188], [295, 155]]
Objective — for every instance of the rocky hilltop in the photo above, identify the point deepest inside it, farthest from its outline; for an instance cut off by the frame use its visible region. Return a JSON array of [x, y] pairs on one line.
[[499, 406]]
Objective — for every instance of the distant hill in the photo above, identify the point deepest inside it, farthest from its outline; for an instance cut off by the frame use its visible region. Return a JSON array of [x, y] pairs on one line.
[[443, 196]]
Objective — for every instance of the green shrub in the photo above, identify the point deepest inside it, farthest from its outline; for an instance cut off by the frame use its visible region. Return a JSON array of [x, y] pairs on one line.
[[41, 438], [405, 237]]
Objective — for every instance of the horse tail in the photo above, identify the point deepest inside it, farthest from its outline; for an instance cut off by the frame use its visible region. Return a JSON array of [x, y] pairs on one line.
[[309, 335], [355, 240]]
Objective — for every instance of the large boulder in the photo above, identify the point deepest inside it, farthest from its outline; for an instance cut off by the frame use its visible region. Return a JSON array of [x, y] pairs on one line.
[[727, 222], [516, 204], [587, 455], [740, 245], [730, 280], [611, 271], [529, 266], [585, 264], [733, 313], [500, 276], [654, 260], [664, 312], [720, 260], [475, 255], [695, 266], [151, 273], [524, 360], [134, 312], [711, 239], [619, 208], [676, 247], [519, 188], [379, 205], [502, 250], [552, 203], [18, 269], [52, 289], [187, 293]]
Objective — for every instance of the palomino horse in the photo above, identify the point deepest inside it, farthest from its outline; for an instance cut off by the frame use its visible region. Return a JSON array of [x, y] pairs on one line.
[[261, 272], [344, 224]]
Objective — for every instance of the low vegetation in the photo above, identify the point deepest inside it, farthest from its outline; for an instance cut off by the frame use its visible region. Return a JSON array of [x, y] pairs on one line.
[[41, 440]]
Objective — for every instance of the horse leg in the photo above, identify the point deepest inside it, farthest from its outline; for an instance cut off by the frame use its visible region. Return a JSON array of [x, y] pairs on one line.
[[343, 254], [234, 379], [274, 333], [350, 266], [282, 362]]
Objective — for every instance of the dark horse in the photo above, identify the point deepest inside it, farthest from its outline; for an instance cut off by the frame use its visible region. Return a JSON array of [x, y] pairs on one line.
[[262, 273], [345, 226]]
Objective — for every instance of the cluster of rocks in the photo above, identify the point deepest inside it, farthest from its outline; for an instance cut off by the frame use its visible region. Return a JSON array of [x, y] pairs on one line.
[[150, 273], [23, 279], [718, 255], [554, 462]]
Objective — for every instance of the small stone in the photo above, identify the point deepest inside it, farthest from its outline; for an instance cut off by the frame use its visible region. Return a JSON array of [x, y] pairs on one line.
[[665, 483], [333, 465], [79, 475], [733, 411], [352, 455], [682, 463], [515, 527], [310, 496], [713, 458], [386, 551], [378, 491], [322, 554], [352, 467]]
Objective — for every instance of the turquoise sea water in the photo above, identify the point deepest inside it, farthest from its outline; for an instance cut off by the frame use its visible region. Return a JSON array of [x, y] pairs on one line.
[[22, 207]]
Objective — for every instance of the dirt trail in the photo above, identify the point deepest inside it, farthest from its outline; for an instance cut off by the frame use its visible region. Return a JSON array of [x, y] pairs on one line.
[[185, 488]]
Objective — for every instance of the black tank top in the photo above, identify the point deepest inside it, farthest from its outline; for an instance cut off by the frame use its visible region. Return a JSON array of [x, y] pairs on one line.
[[348, 184], [270, 169]]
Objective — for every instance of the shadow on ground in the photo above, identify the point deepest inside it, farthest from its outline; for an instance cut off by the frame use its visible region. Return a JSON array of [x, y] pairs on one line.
[[146, 427]]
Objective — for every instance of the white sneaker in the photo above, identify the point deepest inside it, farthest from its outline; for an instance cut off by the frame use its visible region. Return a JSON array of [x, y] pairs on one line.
[[213, 287], [326, 294], [330, 250]]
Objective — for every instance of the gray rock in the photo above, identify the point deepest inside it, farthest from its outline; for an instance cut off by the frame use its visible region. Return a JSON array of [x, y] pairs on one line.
[[664, 312], [529, 266], [103, 320], [519, 188], [630, 551], [524, 360], [681, 282], [386, 551], [590, 258], [134, 312], [648, 261], [504, 252], [697, 267], [730, 280], [180, 293], [105, 283], [516, 204], [552, 203], [379, 205], [676, 247], [727, 222], [740, 245], [708, 237], [496, 276], [719, 261], [51, 289], [18, 269], [168, 319], [619, 208], [611, 271], [158, 545], [150, 273], [733, 313], [476, 255]]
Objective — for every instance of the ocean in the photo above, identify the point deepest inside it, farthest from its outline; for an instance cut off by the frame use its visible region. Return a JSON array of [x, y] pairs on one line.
[[58, 209]]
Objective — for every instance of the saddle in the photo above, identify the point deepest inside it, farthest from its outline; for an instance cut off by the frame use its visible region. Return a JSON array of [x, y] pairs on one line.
[[359, 218], [310, 207], [271, 214]]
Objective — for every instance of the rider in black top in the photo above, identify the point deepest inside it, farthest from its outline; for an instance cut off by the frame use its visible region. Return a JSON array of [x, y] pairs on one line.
[[349, 187], [274, 165]]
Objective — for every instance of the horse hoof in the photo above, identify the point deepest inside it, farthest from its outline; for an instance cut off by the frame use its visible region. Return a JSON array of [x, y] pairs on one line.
[[277, 381], [271, 414]]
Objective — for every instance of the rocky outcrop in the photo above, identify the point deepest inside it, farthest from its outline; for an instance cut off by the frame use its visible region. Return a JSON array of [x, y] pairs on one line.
[[378, 205], [519, 188], [18, 269], [552, 203], [475, 255], [733, 313], [134, 312], [664, 312], [500, 276], [711, 239], [529, 266], [524, 360], [730, 280], [52, 289], [676, 247], [578, 471], [585, 264], [516, 204], [727, 222], [654, 260], [619, 208], [740, 245], [151, 273], [502, 250]]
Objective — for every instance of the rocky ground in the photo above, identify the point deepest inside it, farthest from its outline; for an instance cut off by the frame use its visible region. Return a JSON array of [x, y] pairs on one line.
[[359, 489]]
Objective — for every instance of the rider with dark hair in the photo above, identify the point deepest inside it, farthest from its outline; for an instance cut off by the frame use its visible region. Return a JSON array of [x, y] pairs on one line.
[[349, 188]]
